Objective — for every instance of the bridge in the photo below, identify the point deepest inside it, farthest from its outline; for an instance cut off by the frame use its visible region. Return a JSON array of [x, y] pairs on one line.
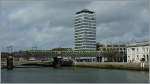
[[19, 63], [27, 57]]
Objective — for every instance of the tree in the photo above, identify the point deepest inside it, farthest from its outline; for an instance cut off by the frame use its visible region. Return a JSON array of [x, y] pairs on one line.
[[97, 46]]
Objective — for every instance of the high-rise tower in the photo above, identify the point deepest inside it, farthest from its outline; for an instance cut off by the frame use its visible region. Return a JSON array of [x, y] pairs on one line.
[[85, 30]]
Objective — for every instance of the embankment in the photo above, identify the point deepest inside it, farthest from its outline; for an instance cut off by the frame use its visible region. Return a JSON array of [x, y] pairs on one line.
[[113, 65]]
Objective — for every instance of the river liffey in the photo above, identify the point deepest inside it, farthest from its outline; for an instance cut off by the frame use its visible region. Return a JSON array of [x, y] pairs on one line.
[[72, 75]]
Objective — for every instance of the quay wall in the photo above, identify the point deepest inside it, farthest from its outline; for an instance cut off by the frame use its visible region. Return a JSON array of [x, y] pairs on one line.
[[113, 65]]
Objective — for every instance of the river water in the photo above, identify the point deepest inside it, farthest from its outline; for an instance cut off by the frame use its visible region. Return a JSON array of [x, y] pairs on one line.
[[72, 75]]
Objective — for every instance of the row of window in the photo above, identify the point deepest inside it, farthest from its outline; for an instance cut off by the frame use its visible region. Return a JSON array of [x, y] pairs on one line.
[[123, 49], [79, 29], [112, 45], [93, 29], [85, 39], [85, 18], [86, 30], [84, 35], [84, 21], [85, 25], [146, 57], [84, 15], [138, 49], [88, 21], [77, 26], [85, 47]]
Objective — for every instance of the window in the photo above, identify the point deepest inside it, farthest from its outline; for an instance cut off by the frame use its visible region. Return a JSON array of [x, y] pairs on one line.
[[133, 49], [137, 49], [85, 17], [137, 56], [143, 49], [144, 56], [104, 49], [147, 58]]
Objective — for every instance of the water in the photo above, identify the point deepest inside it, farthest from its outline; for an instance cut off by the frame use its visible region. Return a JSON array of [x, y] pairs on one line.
[[72, 75]]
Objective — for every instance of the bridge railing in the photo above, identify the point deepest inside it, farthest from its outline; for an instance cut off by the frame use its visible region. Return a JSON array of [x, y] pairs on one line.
[[48, 55]]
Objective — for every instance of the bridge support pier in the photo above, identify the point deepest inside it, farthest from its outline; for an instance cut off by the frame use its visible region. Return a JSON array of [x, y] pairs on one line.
[[10, 65]]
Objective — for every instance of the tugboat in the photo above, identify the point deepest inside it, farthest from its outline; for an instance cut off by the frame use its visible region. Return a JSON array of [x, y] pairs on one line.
[[57, 62], [60, 61], [66, 62]]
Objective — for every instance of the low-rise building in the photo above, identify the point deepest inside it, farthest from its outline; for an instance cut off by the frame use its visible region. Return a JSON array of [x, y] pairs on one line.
[[138, 51], [111, 48]]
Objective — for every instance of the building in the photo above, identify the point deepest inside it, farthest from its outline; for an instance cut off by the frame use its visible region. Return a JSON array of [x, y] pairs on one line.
[[85, 30], [138, 51], [85, 59], [62, 49], [111, 49]]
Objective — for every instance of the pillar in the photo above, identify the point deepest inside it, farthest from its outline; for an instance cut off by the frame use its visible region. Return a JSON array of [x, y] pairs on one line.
[[10, 65]]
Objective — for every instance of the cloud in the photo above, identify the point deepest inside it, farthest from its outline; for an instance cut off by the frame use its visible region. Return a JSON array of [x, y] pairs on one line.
[[48, 24], [121, 20]]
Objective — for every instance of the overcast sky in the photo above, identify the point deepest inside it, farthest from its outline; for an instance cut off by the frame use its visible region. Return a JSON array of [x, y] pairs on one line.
[[49, 23]]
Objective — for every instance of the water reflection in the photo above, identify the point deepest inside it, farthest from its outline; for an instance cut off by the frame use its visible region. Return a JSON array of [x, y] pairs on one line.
[[72, 75], [134, 76]]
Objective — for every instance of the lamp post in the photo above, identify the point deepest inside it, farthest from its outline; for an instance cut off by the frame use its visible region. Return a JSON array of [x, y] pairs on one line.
[[10, 65]]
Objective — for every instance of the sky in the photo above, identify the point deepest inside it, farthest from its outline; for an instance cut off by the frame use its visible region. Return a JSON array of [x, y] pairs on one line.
[[50, 23]]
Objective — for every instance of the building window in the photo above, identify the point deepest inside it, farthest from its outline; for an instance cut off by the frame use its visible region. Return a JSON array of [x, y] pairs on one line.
[[133, 49], [143, 49], [137, 57], [104, 49], [137, 49], [147, 58], [144, 56]]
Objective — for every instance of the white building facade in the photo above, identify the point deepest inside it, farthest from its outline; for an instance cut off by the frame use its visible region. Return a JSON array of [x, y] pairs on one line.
[[138, 51], [85, 30]]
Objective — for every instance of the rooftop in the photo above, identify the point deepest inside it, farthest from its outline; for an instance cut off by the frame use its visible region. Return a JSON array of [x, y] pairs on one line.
[[85, 11], [136, 44]]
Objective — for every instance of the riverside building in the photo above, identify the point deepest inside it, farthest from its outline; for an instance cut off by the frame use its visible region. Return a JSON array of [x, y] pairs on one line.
[[120, 48], [85, 30], [138, 51]]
